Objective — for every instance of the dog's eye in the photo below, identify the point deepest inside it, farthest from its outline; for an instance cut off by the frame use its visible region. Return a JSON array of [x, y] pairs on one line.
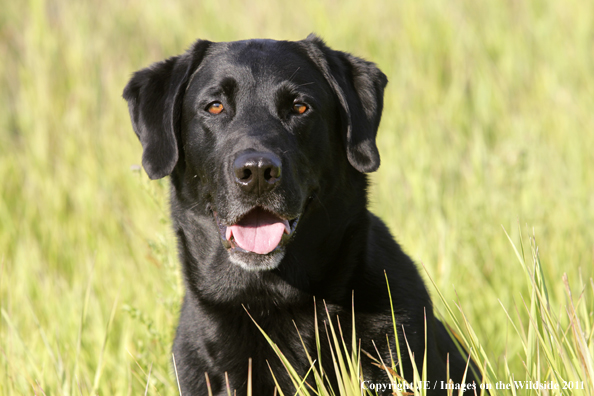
[[215, 108], [299, 108]]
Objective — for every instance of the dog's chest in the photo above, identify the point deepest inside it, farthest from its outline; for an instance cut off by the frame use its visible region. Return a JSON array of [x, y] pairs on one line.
[[247, 344]]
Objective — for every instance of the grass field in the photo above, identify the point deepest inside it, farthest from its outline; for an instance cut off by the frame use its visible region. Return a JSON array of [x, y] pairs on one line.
[[488, 125]]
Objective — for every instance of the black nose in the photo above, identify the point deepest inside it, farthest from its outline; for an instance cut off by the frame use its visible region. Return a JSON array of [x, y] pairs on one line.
[[257, 172]]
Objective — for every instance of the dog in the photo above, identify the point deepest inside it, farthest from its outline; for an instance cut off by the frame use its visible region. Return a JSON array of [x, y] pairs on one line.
[[267, 144]]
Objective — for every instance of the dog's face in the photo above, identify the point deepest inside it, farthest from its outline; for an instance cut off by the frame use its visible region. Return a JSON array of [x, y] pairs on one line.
[[253, 117], [253, 130]]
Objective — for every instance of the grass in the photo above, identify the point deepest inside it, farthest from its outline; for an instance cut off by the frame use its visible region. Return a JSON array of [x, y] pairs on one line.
[[488, 121], [557, 349]]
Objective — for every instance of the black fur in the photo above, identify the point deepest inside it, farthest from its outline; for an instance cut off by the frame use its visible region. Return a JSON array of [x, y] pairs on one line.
[[337, 247]]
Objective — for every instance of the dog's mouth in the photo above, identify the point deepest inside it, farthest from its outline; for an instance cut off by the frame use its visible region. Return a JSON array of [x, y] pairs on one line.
[[257, 231]]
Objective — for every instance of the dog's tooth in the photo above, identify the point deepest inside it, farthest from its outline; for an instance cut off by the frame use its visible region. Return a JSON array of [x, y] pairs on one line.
[[228, 244], [287, 227], [228, 233]]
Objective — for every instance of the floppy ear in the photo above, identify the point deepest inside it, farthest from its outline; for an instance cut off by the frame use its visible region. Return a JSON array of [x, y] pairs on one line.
[[154, 96], [359, 86]]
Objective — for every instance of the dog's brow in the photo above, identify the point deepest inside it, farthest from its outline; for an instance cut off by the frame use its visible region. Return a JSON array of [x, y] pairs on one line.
[[295, 72]]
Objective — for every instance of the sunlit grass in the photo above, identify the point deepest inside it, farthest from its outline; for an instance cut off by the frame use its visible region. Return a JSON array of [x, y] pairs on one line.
[[558, 350], [488, 121]]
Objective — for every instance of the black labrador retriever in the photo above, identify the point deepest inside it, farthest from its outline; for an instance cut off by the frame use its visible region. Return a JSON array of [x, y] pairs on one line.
[[267, 144]]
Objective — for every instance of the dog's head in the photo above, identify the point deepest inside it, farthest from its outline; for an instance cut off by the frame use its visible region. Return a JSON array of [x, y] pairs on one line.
[[254, 130]]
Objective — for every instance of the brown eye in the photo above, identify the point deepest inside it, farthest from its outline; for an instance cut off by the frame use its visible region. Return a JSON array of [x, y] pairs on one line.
[[215, 108], [299, 108]]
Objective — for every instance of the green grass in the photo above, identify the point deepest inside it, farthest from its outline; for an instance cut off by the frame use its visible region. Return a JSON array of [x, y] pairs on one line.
[[488, 122]]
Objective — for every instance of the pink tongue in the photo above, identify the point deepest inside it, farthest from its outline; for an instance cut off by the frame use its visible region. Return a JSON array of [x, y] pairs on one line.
[[259, 231]]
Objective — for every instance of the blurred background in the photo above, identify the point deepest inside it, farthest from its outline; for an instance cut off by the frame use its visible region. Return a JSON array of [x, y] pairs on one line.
[[488, 125]]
